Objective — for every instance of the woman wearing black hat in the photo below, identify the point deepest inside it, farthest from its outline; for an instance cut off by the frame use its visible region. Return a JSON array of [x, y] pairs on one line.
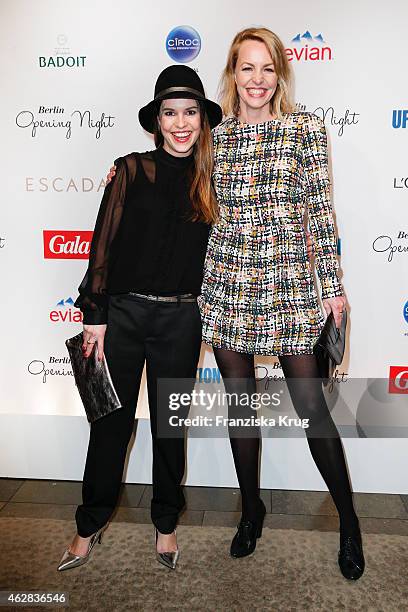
[[139, 299]]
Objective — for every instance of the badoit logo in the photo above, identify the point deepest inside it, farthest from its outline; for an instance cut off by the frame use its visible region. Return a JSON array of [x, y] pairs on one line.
[[399, 118], [62, 57], [66, 244], [398, 381], [309, 48], [183, 44], [65, 312]]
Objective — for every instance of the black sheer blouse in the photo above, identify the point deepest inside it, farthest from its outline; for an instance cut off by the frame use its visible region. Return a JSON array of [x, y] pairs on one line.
[[143, 239]]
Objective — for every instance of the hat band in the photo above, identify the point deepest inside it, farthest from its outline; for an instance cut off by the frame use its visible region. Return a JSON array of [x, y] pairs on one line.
[[164, 92]]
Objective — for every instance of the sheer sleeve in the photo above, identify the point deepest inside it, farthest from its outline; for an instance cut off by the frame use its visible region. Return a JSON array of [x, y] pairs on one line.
[[93, 299], [320, 210]]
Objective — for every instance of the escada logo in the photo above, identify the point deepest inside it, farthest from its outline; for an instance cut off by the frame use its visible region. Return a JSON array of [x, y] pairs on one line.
[[66, 313], [399, 118], [183, 44], [309, 48], [59, 184], [398, 379], [66, 244]]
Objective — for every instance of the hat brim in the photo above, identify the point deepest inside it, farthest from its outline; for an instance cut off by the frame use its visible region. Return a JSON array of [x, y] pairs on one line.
[[148, 114]]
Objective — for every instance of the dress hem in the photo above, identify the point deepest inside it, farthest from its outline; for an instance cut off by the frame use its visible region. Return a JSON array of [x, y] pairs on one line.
[[265, 352]]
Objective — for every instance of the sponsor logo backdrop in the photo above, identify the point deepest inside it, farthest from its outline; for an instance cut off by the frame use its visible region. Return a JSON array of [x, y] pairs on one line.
[[74, 85]]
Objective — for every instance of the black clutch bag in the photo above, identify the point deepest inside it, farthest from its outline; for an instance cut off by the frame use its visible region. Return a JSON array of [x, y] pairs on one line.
[[329, 347], [93, 380]]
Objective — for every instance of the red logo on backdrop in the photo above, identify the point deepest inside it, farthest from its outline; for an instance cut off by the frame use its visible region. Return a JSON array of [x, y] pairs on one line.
[[398, 382], [67, 244]]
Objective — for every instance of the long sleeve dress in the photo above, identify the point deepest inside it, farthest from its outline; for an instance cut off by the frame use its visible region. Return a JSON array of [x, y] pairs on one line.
[[258, 294]]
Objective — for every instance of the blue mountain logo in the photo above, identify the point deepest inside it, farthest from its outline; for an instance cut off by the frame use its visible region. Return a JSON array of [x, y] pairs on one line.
[[307, 37], [68, 302]]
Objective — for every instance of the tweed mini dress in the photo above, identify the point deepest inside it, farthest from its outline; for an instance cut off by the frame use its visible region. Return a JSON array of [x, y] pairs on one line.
[[258, 293]]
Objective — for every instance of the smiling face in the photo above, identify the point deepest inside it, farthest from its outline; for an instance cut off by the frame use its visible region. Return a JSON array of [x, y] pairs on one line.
[[255, 78], [180, 125]]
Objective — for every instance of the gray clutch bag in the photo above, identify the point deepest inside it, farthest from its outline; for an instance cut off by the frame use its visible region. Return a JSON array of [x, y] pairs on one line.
[[329, 347], [93, 380]]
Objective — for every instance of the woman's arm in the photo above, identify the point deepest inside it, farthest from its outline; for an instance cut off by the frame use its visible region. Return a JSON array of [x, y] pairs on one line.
[[93, 300], [321, 222]]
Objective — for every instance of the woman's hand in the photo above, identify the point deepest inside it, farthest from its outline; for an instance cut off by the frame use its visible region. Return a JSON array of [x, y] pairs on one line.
[[93, 334], [336, 305], [309, 245], [111, 174]]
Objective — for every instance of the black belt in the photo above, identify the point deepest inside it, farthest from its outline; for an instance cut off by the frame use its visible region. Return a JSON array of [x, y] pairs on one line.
[[186, 297]]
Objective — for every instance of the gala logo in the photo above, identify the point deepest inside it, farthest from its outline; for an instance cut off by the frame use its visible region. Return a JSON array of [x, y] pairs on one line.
[[398, 382], [67, 244]]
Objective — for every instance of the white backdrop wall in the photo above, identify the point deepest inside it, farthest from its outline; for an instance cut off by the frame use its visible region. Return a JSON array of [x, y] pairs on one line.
[[74, 76]]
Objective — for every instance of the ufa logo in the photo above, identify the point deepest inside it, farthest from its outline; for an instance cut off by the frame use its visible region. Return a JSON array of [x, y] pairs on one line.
[[400, 118], [67, 244], [183, 44], [398, 381]]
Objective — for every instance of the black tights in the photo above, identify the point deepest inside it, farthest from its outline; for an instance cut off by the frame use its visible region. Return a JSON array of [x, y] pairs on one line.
[[306, 392]]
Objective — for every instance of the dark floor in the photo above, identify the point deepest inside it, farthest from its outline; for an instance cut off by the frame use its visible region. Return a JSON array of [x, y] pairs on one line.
[[379, 513]]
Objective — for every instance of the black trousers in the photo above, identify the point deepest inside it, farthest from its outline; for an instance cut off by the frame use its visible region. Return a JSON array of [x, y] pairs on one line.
[[167, 336]]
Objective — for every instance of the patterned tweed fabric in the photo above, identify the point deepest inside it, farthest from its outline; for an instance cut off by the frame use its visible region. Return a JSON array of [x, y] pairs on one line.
[[258, 294]]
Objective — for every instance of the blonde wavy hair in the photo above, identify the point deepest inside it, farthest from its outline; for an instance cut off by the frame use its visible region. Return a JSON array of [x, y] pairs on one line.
[[282, 99]]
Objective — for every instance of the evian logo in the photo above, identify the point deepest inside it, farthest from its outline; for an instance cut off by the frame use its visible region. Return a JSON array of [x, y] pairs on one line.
[[66, 244], [65, 312], [398, 381], [309, 48]]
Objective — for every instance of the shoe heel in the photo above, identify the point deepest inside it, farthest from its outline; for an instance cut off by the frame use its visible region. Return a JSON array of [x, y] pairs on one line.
[[259, 530]]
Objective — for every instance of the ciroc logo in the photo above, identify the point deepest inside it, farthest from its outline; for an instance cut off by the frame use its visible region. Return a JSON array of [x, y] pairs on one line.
[[183, 44]]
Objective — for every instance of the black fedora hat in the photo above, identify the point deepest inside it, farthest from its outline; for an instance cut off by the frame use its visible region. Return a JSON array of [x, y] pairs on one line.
[[178, 81]]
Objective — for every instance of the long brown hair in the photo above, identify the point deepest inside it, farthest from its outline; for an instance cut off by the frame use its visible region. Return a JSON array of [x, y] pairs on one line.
[[282, 99], [202, 195]]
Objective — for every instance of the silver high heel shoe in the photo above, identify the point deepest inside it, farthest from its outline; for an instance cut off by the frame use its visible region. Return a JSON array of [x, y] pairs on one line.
[[169, 559], [69, 560]]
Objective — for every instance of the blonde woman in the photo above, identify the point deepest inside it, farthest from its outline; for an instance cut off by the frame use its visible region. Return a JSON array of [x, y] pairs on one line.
[[258, 296]]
